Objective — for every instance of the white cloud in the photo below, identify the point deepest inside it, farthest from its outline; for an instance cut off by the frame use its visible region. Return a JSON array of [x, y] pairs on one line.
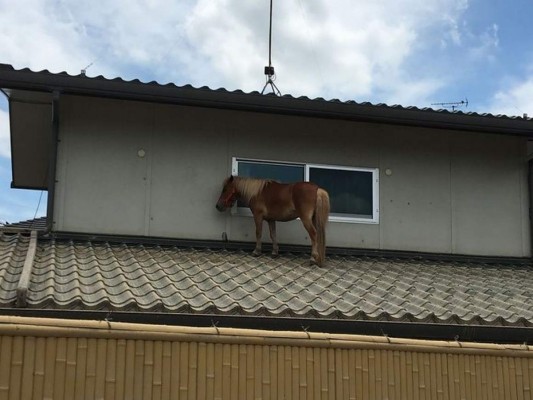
[[341, 48], [5, 146], [517, 99]]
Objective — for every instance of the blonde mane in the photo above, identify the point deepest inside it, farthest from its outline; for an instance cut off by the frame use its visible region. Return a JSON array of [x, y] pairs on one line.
[[250, 187]]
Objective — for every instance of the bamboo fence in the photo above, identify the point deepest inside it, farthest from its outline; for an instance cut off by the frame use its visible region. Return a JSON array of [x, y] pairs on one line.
[[62, 359]]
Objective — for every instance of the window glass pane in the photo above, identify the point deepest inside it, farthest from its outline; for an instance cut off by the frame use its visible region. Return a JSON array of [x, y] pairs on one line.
[[350, 192], [285, 173]]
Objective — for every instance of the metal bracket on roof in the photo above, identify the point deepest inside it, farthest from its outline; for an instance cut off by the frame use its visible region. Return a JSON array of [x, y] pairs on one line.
[[24, 281]]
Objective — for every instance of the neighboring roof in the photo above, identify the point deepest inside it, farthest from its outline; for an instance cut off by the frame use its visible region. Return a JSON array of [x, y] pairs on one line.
[[35, 224], [120, 277]]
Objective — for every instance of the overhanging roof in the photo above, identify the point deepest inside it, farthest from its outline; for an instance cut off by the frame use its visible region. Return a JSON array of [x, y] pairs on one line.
[[30, 98]]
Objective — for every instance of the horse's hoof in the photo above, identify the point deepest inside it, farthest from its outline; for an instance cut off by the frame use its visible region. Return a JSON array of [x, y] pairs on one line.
[[274, 255], [256, 253]]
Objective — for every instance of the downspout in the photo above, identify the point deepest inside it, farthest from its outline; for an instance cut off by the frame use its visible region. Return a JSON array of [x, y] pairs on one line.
[[52, 164], [530, 190]]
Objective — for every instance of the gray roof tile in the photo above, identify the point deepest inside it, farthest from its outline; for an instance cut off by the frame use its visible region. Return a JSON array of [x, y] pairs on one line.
[[135, 277]]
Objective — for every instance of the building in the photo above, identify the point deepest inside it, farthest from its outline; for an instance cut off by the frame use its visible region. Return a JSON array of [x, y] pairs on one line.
[[146, 288]]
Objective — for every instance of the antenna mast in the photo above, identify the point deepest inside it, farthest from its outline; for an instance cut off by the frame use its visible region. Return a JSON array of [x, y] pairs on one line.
[[269, 70]]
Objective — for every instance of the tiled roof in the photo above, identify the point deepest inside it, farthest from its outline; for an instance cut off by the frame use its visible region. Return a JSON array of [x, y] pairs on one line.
[[133, 277], [38, 224]]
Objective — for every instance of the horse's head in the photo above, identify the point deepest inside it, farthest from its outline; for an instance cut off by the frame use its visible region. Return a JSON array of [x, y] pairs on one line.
[[229, 194]]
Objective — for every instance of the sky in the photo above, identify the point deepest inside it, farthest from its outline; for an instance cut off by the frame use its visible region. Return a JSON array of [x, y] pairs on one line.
[[406, 52]]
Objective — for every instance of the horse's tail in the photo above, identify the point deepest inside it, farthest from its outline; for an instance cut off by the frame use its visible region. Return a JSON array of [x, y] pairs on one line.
[[320, 220]]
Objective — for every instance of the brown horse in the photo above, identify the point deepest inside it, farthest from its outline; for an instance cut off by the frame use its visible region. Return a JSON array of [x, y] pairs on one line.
[[272, 201]]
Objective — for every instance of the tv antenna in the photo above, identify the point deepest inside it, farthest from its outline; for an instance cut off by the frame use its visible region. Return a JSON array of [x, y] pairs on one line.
[[453, 105], [269, 69], [84, 70]]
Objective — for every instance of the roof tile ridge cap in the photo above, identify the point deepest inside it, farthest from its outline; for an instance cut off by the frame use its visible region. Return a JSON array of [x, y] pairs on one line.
[[24, 281]]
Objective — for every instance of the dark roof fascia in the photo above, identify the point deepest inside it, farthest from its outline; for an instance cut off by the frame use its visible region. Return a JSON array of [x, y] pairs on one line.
[[118, 88], [249, 246], [411, 330]]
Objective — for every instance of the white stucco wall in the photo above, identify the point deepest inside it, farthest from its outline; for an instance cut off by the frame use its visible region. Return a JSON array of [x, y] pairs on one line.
[[449, 192]]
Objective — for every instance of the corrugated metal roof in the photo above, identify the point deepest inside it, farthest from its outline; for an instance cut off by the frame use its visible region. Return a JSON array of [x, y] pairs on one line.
[[109, 276], [25, 79]]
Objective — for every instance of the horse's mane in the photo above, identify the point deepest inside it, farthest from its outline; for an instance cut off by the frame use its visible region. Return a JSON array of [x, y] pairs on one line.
[[250, 187]]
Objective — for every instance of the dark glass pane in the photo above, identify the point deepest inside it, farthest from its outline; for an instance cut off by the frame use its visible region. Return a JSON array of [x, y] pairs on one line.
[[350, 192], [284, 173]]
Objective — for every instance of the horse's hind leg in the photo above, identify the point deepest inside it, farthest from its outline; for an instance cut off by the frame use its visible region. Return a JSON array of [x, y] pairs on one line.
[[308, 224], [258, 233], [275, 247]]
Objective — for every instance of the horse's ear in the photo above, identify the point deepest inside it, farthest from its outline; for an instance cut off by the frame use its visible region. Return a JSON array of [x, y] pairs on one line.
[[230, 178]]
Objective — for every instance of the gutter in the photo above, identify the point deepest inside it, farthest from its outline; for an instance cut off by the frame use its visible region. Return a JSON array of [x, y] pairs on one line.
[[42, 327], [308, 326], [530, 190]]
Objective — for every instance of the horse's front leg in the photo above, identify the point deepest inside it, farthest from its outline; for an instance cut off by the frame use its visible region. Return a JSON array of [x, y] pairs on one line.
[[258, 232], [275, 247]]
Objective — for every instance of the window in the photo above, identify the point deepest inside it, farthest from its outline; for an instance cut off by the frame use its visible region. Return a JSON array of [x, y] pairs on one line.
[[353, 192]]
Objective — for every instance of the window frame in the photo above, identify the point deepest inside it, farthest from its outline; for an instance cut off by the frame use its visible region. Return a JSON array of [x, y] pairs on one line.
[[245, 211]]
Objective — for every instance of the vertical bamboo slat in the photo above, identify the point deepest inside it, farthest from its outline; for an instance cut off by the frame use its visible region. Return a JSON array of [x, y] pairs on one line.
[[234, 371], [81, 367], [17, 356], [218, 360], [110, 370], [338, 374], [193, 370], [29, 369], [210, 371], [242, 372], [101, 360], [129, 376], [138, 370], [184, 370], [226, 372], [167, 372], [5, 359], [60, 367], [294, 369], [202, 371], [287, 366], [265, 380], [345, 375], [317, 384], [175, 371], [121, 368], [157, 379], [148, 370], [49, 368], [281, 373], [528, 393], [70, 373], [273, 360]]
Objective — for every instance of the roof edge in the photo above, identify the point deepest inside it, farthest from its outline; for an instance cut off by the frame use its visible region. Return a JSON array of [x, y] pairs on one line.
[[287, 248], [26, 79]]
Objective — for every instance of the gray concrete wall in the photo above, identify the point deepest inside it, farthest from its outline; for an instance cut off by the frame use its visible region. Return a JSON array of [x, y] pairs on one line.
[[156, 170]]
